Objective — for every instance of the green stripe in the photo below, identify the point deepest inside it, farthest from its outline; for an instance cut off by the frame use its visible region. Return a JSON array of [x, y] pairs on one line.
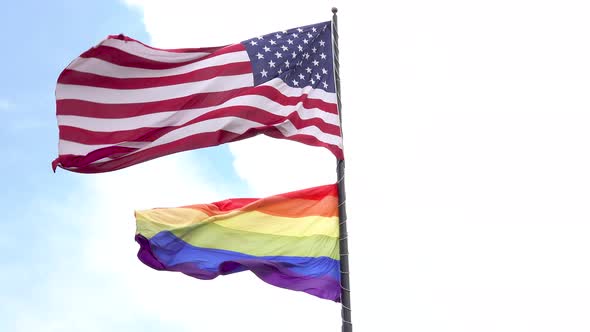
[[210, 235]]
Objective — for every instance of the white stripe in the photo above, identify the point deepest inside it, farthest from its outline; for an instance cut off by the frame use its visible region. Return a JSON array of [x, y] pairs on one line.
[[105, 159], [138, 49], [314, 93], [240, 126], [105, 68], [69, 147], [177, 118], [288, 129], [231, 124], [79, 149], [117, 96]]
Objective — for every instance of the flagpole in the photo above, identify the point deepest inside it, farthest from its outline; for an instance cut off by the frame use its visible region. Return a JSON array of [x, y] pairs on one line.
[[344, 267]]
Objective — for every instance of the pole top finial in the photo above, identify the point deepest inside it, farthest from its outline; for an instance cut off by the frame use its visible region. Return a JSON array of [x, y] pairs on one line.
[[334, 10]]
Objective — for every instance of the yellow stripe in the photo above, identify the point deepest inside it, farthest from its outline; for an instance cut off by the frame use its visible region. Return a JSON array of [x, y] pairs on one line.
[[174, 217], [252, 221], [213, 236], [259, 222]]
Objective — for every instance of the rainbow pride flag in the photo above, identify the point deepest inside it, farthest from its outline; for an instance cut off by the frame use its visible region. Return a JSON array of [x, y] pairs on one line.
[[288, 240]]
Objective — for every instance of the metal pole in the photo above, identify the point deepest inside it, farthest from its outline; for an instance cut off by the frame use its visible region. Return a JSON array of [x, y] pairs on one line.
[[344, 267]]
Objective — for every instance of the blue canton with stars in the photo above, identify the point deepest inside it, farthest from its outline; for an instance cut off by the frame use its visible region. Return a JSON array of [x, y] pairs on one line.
[[300, 57]]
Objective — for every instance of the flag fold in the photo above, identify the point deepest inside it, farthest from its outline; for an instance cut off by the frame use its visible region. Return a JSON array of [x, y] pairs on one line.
[[288, 240]]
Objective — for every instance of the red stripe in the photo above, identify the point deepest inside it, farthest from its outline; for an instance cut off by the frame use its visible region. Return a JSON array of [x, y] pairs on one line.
[[120, 111], [307, 139], [69, 76], [199, 100], [200, 140], [276, 95], [120, 57], [67, 161], [234, 203], [147, 134], [315, 193]]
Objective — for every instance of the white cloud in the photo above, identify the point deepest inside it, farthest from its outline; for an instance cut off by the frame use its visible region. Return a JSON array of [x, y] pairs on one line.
[[174, 298], [271, 166], [467, 170], [178, 23], [98, 284]]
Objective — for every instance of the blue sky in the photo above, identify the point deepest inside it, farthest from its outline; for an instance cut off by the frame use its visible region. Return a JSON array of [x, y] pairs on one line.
[[51, 221], [466, 138], [40, 237], [37, 238]]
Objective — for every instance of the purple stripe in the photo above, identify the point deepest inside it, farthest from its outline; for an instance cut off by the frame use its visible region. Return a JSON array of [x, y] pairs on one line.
[[272, 272]]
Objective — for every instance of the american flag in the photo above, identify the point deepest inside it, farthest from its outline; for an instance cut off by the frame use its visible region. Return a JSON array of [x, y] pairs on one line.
[[122, 102]]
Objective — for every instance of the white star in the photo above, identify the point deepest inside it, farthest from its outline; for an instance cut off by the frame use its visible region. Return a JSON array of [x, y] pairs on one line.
[[301, 76], [316, 63], [263, 72], [285, 48], [323, 56], [312, 81], [294, 35], [314, 50], [309, 35], [287, 63], [325, 84], [300, 48], [266, 49], [317, 76], [280, 71], [290, 41], [294, 55], [324, 71], [295, 82], [278, 36], [308, 70], [278, 55], [306, 55], [253, 43], [299, 29], [314, 29], [284, 31], [305, 41], [259, 37], [322, 43], [259, 56], [272, 42], [271, 64]]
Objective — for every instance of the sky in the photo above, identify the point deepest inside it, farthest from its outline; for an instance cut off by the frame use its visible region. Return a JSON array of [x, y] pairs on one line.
[[467, 145]]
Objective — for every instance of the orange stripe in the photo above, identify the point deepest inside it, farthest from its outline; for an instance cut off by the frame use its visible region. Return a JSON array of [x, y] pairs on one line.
[[296, 207], [279, 206]]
